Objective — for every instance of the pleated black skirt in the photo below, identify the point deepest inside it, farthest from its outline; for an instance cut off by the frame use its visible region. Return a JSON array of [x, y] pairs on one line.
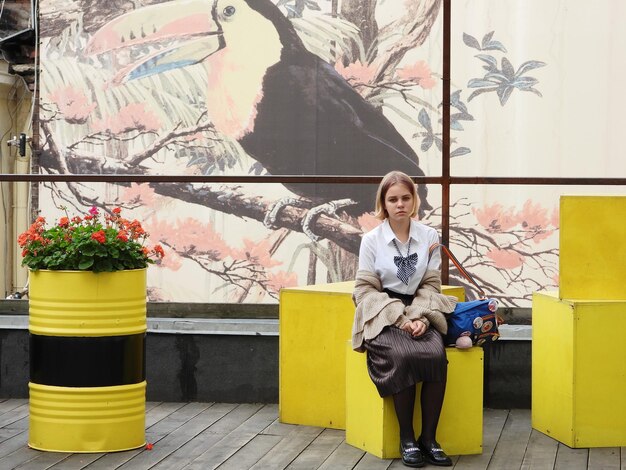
[[396, 360]]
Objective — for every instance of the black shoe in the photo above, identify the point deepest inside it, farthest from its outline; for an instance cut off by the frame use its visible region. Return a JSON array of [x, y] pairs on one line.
[[411, 455], [434, 454]]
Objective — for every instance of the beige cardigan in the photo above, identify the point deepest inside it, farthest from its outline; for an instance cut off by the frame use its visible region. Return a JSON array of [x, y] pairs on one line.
[[375, 309]]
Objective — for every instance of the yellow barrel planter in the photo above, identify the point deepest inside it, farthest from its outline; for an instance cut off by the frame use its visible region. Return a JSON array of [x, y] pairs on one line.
[[87, 360]]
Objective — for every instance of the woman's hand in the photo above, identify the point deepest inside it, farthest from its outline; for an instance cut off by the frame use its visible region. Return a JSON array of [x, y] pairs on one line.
[[419, 328], [415, 328]]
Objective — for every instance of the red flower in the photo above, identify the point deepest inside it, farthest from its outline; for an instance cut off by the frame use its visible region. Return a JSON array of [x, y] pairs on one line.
[[116, 210], [24, 252], [64, 222], [158, 250], [99, 236], [122, 236]]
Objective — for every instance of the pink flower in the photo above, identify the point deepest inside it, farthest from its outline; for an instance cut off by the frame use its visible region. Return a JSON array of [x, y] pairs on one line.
[[506, 259], [368, 222], [419, 72], [73, 104], [257, 253], [139, 193], [554, 218], [133, 117], [281, 279], [356, 73], [533, 216], [93, 210], [495, 219]]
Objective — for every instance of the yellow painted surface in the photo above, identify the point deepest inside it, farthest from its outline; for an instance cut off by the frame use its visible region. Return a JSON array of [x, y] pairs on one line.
[[592, 251], [371, 423], [579, 371], [93, 419], [315, 322], [84, 303]]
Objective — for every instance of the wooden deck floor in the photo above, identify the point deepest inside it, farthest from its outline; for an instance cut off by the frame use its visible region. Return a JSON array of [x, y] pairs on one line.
[[236, 437]]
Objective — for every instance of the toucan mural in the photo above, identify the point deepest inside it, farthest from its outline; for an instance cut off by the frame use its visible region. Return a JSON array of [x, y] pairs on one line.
[[267, 87]]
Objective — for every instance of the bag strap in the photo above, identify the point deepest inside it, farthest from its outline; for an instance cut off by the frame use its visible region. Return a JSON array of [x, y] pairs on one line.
[[458, 265]]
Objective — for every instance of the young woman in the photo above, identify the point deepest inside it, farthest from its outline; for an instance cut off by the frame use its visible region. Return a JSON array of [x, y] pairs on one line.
[[399, 318]]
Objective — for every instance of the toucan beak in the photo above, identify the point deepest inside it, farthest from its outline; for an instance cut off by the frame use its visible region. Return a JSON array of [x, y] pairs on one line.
[[182, 32]]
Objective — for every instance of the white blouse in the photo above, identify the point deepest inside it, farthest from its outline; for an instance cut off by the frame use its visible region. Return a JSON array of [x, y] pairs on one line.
[[377, 252]]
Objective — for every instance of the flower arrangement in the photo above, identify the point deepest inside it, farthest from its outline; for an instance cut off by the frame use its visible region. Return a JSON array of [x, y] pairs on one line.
[[90, 243]]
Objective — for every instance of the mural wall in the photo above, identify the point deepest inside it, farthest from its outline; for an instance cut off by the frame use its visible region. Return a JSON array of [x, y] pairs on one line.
[[257, 87]]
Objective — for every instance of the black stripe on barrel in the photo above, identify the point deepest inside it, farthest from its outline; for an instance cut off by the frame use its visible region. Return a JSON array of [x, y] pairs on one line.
[[77, 361]]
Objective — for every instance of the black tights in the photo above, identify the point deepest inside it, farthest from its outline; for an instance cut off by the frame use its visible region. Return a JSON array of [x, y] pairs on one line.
[[431, 401]]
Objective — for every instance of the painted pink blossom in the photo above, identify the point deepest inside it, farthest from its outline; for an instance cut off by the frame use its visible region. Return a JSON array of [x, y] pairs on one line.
[[506, 259], [133, 117], [138, 194], [419, 72], [356, 73], [193, 236], [257, 253], [556, 279], [73, 104], [277, 281], [495, 218], [368, 222], [554, 218], [533, 216], [172, 261]]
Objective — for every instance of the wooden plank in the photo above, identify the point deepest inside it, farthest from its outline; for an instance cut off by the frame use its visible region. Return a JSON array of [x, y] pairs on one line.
[[6, 406], [177, 439], [42, 461], [76, 461], [344, 457], [540, 453], [20, 425], [571, 459], [218, 442], [371, 462], [8, 433], [21, 455], [161, 411], [509, 452], [319, 450], [623, 458], [251, 453], [606, 458], [289, 447], [11, 445], [493, 424], [14, 415], [160, 429]]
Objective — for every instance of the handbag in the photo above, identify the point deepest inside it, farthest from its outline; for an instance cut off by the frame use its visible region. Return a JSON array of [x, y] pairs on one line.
[[476, 319]]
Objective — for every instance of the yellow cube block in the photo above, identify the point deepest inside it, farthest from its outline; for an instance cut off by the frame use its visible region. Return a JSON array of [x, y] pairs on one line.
[[315, 322], [371, 422], [579, 371], [592, 252]]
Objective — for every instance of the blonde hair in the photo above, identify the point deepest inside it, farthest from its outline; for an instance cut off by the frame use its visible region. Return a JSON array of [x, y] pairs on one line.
[[390, 179]]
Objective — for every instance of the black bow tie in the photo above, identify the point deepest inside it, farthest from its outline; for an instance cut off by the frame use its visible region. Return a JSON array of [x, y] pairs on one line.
[[406, 266]]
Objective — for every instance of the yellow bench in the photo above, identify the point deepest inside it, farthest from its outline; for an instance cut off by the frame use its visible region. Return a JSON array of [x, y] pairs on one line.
[[371, 422], [315, 322]]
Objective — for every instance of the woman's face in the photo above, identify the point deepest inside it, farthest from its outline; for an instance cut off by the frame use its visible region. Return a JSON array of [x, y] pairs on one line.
[[398, 202]]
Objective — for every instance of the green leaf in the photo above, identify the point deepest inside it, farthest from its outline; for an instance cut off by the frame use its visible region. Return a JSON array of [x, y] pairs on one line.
[[85, 263]]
